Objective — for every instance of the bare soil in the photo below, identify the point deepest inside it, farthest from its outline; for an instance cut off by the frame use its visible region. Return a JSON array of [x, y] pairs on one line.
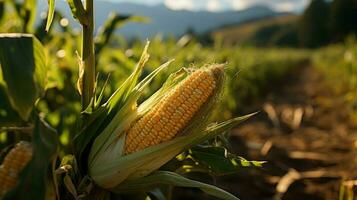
[[305, 136], [304, 133]]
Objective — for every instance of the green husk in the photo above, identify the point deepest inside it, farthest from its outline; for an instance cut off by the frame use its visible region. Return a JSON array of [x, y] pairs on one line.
[[111, 169], [109, 166], [170, 178], [107, 140], [142, 163]]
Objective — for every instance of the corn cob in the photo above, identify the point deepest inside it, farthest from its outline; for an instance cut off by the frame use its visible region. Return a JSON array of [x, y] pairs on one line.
[[13, 164], [171, 115]]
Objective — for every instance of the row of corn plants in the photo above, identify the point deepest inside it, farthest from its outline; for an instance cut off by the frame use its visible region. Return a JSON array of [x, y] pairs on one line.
[[253, 72], [338, 63], [124, 143]]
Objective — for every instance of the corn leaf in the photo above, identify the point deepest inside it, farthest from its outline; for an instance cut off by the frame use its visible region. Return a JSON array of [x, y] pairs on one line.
[[8, 116], [50, 14], [86, 136], [98, 99], [113, 22], [218, 161], [25, 78], [36, 178], [169, 178], [119, 96], [146, 81], [216, 129]]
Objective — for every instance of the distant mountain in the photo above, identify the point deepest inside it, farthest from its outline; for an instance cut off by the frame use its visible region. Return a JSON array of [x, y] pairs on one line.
[[165, 21], [277, 30]]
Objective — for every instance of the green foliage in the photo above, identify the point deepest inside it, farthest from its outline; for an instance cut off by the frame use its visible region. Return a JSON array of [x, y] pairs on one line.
[[339, 65], [169, 178], [287, 36], [218, 161], [8, 116], [252, 73], [27, 12], [25, 78], [264, 35], [51, 12], [113, 22]]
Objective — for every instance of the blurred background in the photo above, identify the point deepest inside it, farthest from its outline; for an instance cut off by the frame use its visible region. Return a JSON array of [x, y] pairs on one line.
[[295, 61]]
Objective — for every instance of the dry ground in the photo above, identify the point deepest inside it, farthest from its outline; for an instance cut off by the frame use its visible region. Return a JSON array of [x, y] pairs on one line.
[[304, 134]]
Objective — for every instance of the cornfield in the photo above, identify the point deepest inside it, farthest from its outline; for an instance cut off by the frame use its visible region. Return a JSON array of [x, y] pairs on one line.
[[92, 116]]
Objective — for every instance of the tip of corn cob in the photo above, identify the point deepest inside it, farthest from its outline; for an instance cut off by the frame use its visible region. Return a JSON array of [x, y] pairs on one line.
[[174, 111], [14, 162]]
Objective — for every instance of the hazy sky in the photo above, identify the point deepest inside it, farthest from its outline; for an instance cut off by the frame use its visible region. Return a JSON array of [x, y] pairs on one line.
[[219, 5]]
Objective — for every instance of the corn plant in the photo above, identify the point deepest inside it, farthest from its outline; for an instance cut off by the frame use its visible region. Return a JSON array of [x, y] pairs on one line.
[[339, 65], [123, 145]]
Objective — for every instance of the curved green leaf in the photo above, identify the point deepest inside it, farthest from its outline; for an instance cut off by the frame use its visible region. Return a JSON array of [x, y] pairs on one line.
[[120, 95], [219, 161], [51, 13], [113, 22], [85, 137], [23, 65], [169, 178]]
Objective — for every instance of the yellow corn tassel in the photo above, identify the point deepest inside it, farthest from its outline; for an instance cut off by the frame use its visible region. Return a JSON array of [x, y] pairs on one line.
[[13, 164], [171, 115]]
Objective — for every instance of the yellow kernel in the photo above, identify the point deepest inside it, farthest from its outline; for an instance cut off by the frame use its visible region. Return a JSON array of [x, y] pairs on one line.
[[172, 113], [13, 164]]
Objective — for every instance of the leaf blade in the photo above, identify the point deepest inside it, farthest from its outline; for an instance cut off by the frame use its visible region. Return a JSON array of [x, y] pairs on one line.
[[24, 78], [51, 13], [170, 178], [219, 161]]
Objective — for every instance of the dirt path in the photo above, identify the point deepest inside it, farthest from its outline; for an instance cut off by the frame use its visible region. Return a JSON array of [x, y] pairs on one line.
[[305, 135]]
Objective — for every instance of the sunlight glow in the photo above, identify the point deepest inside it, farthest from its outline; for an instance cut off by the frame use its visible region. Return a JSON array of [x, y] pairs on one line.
[[179, 4]]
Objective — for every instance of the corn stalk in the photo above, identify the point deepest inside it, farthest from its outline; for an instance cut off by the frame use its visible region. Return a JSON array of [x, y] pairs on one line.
[[87, 76]]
